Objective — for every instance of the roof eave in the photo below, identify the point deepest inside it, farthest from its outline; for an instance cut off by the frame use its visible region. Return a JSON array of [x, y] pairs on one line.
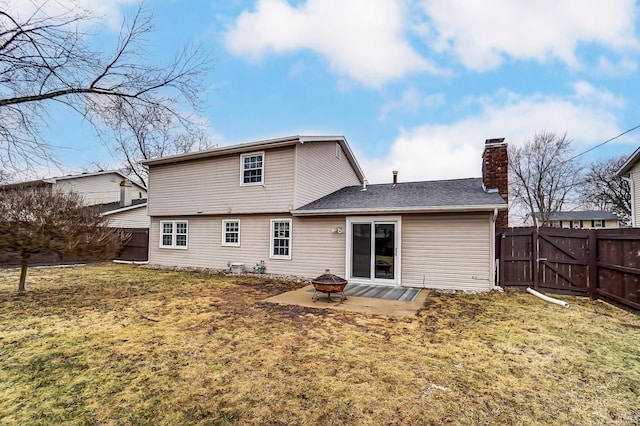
[[631, 161], [226, 150], [124, 209], [416, 209]]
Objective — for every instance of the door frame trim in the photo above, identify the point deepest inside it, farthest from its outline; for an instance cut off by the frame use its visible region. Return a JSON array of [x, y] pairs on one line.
[[398, 246]]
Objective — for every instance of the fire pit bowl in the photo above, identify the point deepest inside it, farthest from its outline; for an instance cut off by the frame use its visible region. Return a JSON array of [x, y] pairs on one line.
[[329, 283]]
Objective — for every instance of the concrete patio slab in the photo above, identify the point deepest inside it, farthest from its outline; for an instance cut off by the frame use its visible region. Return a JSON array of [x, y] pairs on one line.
[[368, 305]]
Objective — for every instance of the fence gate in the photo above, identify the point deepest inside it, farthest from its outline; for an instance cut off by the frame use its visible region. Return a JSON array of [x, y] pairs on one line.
[[563, 260], [547, 258]]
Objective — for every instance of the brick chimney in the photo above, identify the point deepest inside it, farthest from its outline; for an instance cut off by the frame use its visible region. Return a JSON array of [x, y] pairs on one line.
[[125, 193], [495, 163]]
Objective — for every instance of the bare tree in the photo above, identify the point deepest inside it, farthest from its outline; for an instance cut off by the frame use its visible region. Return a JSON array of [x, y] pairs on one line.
[[603, 189], [543, 175], [49, 58], [33, 222], [150, 132]]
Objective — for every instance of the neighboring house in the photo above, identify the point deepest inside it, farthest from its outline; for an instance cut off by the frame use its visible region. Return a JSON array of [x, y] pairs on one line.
[[592, 219], [630, 170], [127, 212], [123, 201], [96, 188], [301, 205]]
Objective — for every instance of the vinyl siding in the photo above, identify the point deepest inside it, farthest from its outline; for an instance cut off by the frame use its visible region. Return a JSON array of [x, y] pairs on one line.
[[635, 197], [212, 186], [97, 189], [314, 247], [319, 172], [134, 218], [447, 251]]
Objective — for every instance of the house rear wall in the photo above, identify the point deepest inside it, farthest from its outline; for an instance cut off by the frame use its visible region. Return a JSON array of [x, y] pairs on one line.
[[314, 246], [212, 186], [320, 172], [438, 251], [448, 251]]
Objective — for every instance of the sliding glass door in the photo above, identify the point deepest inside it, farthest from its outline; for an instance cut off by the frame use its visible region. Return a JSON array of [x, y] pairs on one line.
[[373, 250]]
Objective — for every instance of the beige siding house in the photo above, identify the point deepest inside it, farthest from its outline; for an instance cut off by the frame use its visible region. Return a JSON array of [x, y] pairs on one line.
[[579, 219], [133, 216], [122, 200], [300, 205], [630, 170]]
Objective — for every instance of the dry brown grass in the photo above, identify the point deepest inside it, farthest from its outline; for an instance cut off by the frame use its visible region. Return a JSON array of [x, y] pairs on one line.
[[77, 349]]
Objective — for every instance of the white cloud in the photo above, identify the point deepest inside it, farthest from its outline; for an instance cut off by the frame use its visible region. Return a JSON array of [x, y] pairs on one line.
[[108, 11], [411, 101], [482, 34], [361, 39], [447, 151]]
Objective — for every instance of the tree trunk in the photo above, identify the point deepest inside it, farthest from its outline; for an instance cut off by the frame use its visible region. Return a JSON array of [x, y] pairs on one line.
[[23, 274]]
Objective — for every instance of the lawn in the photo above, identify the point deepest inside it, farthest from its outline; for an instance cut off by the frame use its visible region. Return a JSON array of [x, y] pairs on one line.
[[118, 344]]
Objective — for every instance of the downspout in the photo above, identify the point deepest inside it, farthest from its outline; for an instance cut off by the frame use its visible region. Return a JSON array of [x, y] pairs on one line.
[[494, 266]]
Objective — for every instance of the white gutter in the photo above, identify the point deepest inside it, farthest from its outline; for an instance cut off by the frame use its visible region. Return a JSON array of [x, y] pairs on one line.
[[416, 209]]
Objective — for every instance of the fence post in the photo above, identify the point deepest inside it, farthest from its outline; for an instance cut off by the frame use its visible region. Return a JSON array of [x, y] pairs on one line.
[[593, 265], [535, 264]]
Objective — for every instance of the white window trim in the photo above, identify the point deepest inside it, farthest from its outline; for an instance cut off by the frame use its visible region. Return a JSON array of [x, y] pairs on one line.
[[224, 233], [173, 234], [272, 237], [350, 220], [601, 221], [251, 154]]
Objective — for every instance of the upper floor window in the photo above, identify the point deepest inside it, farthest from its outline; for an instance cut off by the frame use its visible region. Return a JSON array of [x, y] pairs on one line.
[[173, 234], [231, 233], [576, 224], [597, 223], [252, 168], [280, 239], [556, 224]]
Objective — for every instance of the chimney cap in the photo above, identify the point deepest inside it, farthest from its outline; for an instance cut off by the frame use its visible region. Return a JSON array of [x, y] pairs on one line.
[[494, 141]]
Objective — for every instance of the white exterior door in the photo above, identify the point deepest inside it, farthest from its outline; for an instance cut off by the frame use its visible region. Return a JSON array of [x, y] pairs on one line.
[[373, 250]]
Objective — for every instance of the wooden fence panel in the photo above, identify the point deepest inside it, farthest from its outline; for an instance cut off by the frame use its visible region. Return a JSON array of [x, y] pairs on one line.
[[563, 260], [516, 254], [137, 247], [619, 265], [603, 263]]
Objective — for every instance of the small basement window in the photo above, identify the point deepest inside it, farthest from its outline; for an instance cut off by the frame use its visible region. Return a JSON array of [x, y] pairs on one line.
[[173, 234], [252, 168]]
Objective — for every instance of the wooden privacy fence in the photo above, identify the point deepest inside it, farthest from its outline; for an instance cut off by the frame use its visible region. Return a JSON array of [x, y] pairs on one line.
[[602, 263], [137, 247]]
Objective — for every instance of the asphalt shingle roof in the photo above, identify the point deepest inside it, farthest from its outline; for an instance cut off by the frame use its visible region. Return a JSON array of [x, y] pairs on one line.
[[581, 215], [107, 207], [428, 194]]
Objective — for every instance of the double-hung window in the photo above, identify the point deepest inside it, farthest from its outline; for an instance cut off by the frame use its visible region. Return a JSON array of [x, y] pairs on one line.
[[280, 239], [231, 233], [597, 223], [252, 168], [173, 234]]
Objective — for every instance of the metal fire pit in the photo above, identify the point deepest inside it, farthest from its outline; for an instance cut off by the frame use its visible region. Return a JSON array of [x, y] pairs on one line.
[[328, 283]]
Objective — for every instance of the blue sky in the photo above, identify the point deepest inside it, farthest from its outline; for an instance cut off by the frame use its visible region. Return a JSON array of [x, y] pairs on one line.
[[415, 86]]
